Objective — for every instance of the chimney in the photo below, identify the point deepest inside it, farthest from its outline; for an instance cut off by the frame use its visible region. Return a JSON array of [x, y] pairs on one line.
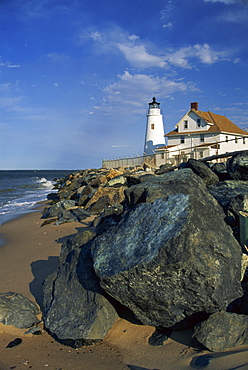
[[194, 106]]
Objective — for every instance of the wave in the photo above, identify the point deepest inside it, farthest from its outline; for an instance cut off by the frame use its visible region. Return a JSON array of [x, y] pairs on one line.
[[25, 195]]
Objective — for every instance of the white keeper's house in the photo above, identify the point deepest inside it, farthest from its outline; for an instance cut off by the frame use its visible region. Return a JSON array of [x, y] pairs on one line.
[[201, 134]]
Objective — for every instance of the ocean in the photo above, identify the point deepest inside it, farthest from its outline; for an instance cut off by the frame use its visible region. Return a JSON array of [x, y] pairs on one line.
[[20, 190]]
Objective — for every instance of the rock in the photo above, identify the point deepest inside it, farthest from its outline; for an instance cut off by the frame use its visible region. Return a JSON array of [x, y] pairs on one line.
[[220, 170], [158, 338], [14, 343], [244, 265], [203, 360], [55, 209], [183, 181], [222, 331], [76, 310], [172, 258], [238, 203], [237, 166], [109, 217], [72, 215], [200, 169], [17, 310], [117, 181], [164, 168], [52, 196], [101, 178], [225, 191], [85, 195], [104, 197]]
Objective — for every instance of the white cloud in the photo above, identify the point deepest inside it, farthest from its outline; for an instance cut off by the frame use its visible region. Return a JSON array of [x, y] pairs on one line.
[[221, 1], [203, 53], [132, 90], [138, 56], [96, 36], [167, 25], [13, 66]]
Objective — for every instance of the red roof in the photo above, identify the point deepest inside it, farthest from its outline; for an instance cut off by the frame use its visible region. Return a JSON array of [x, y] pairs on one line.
[[219, 124]]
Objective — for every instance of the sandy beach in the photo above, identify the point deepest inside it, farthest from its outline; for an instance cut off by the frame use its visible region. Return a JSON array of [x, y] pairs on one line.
[[29, 254]]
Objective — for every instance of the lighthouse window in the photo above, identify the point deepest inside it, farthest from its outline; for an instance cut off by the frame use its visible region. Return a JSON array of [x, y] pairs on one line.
[[185, 124], [152, 126]]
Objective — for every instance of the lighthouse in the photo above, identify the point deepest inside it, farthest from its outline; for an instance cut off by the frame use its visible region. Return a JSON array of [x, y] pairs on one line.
[[154, 128]]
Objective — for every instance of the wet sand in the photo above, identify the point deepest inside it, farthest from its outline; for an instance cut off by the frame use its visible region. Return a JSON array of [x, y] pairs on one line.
[[28, 256]]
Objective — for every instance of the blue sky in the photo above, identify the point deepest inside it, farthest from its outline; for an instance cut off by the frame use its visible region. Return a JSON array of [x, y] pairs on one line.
[[76, 76]]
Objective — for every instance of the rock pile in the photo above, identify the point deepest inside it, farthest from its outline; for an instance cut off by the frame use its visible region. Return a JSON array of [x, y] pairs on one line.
[[164, 244]]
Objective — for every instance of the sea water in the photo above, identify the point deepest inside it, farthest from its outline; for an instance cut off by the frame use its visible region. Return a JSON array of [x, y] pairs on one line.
[[20, 190]]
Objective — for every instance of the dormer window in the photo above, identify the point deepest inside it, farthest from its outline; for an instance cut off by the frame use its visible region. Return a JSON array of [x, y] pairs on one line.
[[185, 125], [198, 122]]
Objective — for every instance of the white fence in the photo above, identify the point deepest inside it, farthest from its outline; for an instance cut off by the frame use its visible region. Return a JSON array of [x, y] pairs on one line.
[[129, 161]]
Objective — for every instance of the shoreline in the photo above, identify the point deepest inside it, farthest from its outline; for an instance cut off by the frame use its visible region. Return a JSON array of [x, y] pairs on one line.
[[28, 256]]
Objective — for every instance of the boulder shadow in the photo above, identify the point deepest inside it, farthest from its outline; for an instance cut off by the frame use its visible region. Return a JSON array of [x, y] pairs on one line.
[[41, 270]]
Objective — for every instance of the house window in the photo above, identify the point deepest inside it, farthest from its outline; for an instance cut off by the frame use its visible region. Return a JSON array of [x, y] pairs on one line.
[[162, 155], [236, 140], [152, 126], [227, 139], [182, 139], [243, 140], [185, 125], [198, 122], [201, 154], [202, 139]]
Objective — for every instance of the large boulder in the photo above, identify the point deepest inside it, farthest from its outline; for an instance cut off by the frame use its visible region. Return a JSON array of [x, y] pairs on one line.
[[237, 166], [76, 310], [173, 257], [17, 310], [222, 330], [202, 170], [183, 181]]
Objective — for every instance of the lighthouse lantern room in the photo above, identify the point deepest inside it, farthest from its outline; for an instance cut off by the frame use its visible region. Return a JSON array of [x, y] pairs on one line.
[[154, 128]]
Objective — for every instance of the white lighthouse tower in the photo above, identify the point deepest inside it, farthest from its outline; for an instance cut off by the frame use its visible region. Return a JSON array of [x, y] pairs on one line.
[[154, 128]]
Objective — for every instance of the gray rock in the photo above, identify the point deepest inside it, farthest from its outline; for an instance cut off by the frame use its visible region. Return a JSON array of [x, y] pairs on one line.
[[85, 195], [220, 170], [109, 217], [172, 258], [17, 310], [225, 191], [237, 166], [222, 330], [202, 170], [55, 209], [75, 307], [183, 181], [72, 215]]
